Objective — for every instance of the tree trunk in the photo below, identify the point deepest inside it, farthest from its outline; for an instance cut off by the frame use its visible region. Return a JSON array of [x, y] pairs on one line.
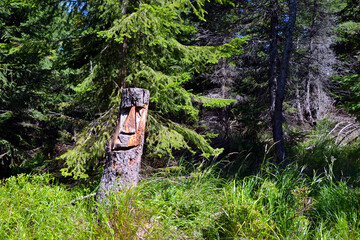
[[280, 88], [307, 104], [273, 53], [310, 77], [123, 153], [298, 106], [122, 71]]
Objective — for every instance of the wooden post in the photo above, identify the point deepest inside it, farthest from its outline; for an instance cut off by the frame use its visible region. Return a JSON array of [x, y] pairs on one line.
[[123, 153]]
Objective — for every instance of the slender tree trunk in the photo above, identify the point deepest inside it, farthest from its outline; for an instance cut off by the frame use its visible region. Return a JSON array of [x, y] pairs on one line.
[[280, 88], [273, 53], [123, 153], [310, 77], [122, 71], [307, 103], [298, 106]]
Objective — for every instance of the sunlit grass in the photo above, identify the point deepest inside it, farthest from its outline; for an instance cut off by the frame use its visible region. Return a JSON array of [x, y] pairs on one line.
[[274, 204], [34, 208]]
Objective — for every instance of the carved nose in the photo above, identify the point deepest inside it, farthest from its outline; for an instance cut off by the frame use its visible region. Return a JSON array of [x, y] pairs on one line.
[[129, 126]]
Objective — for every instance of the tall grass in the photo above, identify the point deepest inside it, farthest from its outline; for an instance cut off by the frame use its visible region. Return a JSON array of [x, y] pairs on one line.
[[274, 204], [32, 207]]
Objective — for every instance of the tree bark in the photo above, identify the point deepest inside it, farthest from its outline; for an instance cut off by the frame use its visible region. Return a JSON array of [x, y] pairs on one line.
[[307, 104], [277, 120], [123, 153], [310, 77], [298, 106], [273, 53], [122, 71]]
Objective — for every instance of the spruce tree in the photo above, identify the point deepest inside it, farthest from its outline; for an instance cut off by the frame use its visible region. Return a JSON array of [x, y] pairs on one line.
[[142, 45], [29, 83]]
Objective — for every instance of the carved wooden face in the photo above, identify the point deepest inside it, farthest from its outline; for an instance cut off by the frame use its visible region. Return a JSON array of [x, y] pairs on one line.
[[130, 127]]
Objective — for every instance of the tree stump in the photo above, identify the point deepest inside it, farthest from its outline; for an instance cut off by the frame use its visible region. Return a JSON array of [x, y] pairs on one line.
[[123, 153]]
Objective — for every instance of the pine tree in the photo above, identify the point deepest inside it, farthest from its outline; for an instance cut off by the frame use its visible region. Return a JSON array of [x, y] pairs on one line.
[[142, 45]]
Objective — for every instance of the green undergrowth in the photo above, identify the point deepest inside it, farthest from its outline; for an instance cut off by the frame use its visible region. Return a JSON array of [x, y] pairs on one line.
[[177, 204], [325, 145]]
